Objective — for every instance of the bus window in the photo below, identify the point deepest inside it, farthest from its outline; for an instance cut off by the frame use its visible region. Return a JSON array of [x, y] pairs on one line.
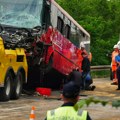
[[53, 15], [67, 31], [73, 35], [83, 34], [46, 16], [78, 36], [60, 24]]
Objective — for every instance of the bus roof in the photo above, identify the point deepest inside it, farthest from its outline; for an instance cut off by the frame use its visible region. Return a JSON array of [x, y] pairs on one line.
[[70, 18]]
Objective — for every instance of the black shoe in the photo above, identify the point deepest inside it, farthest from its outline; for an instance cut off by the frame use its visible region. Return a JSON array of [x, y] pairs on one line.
[[114, 83], [118, 89], [90, 88], [93, 87]]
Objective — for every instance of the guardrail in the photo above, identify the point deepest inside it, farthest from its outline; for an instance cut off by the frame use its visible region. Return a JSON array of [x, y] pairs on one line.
[[100, 67]]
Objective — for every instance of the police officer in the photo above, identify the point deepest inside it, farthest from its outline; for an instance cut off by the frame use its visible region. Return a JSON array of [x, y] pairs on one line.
[[70, 96]]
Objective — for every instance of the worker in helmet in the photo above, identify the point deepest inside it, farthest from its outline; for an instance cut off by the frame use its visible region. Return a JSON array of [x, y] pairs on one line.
[[70, 96], [114, 64], [82, 46]]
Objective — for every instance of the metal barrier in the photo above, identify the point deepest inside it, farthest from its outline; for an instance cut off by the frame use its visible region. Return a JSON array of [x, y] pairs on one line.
[[100, 67]]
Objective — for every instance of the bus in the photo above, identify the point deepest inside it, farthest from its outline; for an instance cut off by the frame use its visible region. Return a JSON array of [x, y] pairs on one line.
[[50, 36]]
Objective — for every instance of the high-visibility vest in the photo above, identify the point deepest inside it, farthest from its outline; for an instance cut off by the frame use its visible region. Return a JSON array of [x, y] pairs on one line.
[[114, 54], [66, 113], [114, 64]]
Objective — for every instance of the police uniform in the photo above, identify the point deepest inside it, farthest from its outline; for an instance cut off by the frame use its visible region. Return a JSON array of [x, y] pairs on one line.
[[67, 110]]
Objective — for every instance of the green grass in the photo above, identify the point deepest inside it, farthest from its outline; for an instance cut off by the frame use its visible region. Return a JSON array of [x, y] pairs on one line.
[[100, 74]]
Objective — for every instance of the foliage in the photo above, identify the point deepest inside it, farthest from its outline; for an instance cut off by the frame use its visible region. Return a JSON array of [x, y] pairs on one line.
[[90, 100], [116, 103], [101, 19], [100, 74]]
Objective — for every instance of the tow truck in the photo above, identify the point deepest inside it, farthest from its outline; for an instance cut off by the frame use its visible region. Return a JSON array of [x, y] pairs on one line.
[[13, 69], [19, 51]]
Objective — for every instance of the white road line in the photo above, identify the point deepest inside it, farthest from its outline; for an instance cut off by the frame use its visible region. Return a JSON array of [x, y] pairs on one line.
[[3, 117], [8, 109]]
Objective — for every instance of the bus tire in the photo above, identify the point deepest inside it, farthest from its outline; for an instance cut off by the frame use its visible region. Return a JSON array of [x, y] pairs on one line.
[[17, 88], [6, 90]]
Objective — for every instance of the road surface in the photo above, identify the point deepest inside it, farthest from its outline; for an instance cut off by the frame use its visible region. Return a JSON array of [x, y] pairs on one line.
[[20, 109]]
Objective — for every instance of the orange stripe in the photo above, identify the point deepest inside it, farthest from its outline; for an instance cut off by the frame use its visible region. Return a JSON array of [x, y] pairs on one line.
[[32, 116]]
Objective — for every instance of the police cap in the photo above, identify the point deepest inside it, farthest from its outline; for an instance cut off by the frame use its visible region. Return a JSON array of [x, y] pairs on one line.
[[71, 90]]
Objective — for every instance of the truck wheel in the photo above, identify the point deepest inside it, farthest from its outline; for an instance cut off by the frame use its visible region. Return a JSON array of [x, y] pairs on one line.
[[17, 88], [6, 90]]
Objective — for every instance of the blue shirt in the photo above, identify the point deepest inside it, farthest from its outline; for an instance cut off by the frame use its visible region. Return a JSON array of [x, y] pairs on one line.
[[117, 58]]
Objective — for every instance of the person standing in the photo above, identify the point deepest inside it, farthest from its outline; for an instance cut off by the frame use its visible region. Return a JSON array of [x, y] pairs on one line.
[[117, 59], [114, 65], [70, 96], [86, 77]]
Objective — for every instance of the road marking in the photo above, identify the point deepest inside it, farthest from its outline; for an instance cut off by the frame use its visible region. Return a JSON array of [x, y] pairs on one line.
[[8, 109], [3, 116]]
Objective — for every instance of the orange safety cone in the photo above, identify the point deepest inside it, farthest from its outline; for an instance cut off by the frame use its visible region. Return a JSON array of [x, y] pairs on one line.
[[32, 114]]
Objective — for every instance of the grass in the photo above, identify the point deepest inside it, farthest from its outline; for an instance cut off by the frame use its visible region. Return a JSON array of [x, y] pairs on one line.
[[100, 74]]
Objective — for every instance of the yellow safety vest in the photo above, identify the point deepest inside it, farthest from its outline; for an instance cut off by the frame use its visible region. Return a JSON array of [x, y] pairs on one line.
[[66, 113]]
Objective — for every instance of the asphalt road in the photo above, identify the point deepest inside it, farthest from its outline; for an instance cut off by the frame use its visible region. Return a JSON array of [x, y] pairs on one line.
[[20, 109]]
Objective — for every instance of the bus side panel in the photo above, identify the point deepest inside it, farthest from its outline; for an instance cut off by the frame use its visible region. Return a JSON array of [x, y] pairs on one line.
[[66, 55], [61, 64]]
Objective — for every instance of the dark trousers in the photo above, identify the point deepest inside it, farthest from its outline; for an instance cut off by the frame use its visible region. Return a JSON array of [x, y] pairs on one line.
[[118, 76], [86, 83]]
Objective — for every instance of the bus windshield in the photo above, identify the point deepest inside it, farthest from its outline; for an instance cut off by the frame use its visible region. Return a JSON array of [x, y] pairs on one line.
[[21, 13]]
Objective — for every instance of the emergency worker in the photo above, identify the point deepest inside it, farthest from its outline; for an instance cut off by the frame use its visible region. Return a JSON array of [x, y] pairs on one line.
[[83, 50], [82, 46], [114, 65], [70, 96], [117, 59]]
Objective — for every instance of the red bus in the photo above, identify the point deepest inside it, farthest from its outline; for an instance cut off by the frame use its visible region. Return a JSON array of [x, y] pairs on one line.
[[50, 36]]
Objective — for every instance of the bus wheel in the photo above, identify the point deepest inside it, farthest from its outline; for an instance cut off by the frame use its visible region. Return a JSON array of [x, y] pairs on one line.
[[17, 88], [6, 90]]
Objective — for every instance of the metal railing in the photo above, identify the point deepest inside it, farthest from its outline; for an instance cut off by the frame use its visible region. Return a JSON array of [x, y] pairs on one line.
[[100, 67]]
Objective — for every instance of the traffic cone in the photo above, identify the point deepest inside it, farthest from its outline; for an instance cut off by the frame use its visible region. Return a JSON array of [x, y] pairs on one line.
[[32, 114]]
